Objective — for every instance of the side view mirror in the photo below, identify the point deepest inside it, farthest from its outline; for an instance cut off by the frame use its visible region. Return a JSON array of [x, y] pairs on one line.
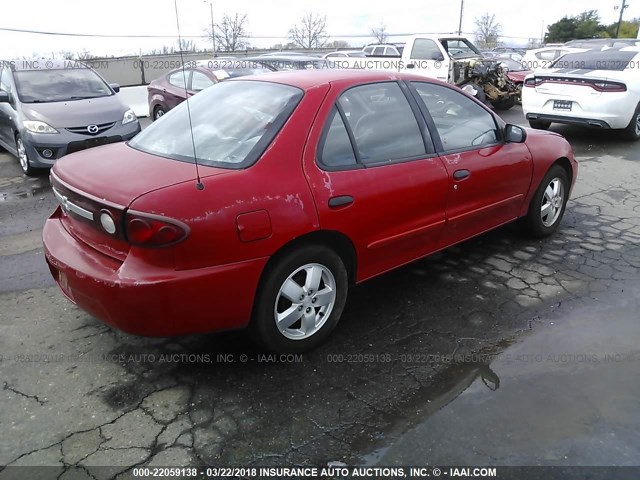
[[4, 97], [515, 134], [115, 87]]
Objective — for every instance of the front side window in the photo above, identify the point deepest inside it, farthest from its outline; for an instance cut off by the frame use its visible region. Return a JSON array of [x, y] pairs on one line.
[[5, 83], [383, 124], [461, 123], [232, 122], [59, 85]]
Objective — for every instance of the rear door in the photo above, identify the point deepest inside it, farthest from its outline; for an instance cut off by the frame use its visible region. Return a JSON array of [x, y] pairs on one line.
[[375, 175], [488, 179]]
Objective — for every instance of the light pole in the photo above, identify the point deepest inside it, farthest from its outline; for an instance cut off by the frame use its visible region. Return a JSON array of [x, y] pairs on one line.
[[213, 33], [624, 5], [460, 24]]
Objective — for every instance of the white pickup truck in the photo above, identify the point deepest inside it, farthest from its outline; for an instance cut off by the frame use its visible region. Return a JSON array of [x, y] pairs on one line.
[[449, 58]]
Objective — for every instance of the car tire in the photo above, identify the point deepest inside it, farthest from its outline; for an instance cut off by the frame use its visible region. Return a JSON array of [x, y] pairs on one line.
[[548, 204], [632, 131], [23, 158], [505, 104], [158, 112], [317, 276], [539, 124]]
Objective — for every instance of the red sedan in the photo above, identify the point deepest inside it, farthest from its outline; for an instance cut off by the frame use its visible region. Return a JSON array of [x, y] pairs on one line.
[[308, 182]]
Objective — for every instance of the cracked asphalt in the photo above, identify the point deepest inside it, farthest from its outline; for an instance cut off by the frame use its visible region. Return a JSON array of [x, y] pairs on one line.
[[412, 346]]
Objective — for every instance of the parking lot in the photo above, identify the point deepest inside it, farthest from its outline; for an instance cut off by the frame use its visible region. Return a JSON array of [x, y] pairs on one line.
[[447, 351]]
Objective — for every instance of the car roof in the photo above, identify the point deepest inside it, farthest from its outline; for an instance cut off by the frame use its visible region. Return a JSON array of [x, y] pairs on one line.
[[21, 65], [309, 79], [289, 58]]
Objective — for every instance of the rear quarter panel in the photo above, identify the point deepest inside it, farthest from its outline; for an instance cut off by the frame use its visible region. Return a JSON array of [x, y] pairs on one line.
[[275, 184]]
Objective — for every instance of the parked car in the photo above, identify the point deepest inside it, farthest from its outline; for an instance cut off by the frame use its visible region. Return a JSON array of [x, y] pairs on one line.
[[603, 42], [308, 181], [596, 88], [345, 54], [515, 72], [296, 62], [169, 90], [544, 57], [382, 50], [49, 108]]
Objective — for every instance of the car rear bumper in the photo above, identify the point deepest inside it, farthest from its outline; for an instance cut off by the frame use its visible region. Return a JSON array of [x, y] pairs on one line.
[[158, 302], [66, 142], [598, 110]]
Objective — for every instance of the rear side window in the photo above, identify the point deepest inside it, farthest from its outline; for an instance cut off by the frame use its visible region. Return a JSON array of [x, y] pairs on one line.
[[178, 79], [199, 81], [425, 49], [336, 148], [378, 51], [384, 126]]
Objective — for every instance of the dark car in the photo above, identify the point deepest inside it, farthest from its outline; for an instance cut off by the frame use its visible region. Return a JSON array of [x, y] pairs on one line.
[[305, 182], [49, 108], [171, 89]]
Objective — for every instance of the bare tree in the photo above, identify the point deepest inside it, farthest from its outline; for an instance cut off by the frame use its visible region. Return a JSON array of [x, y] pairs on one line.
[[185, 45], [85, 55], [231, 34], [380, 33], [488, 30], [311, 32]]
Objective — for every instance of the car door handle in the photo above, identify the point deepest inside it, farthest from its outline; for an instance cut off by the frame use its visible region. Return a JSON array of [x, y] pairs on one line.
[[341, 201], [411, 65], [461, 174]]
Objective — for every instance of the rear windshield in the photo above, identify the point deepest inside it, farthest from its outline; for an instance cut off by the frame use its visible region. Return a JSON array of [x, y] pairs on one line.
[[42, 86], [598, 60], [232, 123]]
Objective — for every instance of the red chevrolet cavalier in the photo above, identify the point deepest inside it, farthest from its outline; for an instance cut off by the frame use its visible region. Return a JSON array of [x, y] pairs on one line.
[[308, 182]]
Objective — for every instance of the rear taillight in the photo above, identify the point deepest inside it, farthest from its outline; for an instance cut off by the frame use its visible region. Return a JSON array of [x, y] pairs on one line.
[[609, 86], [153, 231], [533, 82]]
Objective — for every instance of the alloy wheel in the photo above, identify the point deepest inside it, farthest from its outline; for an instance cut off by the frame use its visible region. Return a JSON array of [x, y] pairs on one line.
[[22, 154], [552, 202], [305, 301]]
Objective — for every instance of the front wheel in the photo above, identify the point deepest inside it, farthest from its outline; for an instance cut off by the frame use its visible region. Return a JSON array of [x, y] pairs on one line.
[[548, 204], [23, 157], [300, 300], [505, 104]]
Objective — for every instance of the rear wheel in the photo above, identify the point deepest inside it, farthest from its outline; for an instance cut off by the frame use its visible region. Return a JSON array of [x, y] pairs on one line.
[[539, 124], [300, 300], [158, 112], [632, 132], [23, 157], [548, 204]]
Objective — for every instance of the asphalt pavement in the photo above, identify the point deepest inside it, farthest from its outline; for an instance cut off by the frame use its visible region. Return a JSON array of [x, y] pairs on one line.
[[500, 351]]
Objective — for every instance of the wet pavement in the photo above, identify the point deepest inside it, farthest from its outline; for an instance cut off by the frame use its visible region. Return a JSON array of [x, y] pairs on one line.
[[423, 367]]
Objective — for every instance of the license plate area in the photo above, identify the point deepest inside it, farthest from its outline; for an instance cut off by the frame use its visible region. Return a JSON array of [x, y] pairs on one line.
[[562, 105]]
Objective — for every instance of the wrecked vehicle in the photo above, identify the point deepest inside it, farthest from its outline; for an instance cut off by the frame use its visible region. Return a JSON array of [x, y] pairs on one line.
[[451, 59]]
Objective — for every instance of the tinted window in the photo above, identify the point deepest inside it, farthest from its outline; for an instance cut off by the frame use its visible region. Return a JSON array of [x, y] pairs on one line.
[[336, 149], [425, 49], [59, 85], [378, 51], [383, 124], [598, 60], [199, 81], [179, 79], [233, 122], [461, 123], [368, 50]]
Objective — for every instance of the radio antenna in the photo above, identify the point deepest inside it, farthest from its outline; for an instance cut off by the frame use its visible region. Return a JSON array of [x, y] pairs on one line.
[[199, 184]]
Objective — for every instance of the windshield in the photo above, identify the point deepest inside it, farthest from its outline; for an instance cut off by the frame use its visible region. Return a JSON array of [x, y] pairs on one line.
[[41, 86], [460, 48], [233, 123], [598, 60]]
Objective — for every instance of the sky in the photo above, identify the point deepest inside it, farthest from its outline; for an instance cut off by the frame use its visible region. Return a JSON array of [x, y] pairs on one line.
[[520, 20]]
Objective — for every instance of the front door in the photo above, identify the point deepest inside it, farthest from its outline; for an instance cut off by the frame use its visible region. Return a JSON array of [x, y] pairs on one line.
[[488, 178]]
